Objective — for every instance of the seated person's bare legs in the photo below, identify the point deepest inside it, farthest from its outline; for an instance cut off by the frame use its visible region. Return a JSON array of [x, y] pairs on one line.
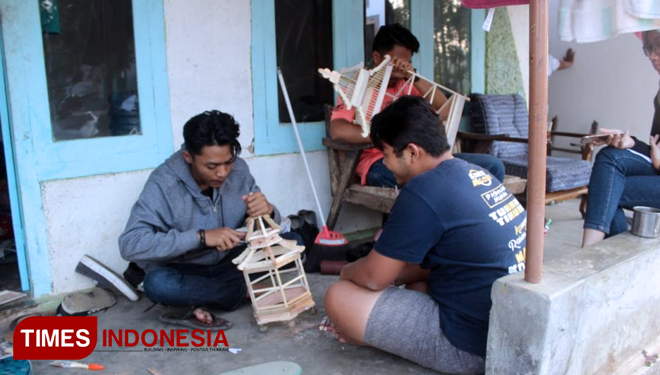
[[348, 307]]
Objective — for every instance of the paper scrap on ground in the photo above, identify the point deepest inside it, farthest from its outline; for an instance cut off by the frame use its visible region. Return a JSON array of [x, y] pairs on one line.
[[7, 296]]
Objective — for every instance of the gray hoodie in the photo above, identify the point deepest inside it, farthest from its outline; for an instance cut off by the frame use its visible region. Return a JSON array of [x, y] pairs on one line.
[[171, 209]]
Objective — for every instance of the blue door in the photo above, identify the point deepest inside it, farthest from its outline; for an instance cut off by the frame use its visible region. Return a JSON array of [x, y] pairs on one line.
[[16, 217]]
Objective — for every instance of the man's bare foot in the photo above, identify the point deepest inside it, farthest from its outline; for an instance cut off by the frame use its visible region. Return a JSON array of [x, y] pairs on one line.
[[327, 326], [203, 315]]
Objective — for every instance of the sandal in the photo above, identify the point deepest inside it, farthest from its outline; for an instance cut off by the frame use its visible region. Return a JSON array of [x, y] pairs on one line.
[[190, 320]]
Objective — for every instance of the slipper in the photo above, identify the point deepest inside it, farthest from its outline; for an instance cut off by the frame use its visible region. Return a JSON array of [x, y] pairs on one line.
[[86, 303], [189, 320]]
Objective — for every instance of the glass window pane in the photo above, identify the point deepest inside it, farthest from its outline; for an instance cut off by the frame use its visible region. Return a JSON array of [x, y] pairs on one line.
[[380, 13], [304, 43], [452, 45], [90, 66]]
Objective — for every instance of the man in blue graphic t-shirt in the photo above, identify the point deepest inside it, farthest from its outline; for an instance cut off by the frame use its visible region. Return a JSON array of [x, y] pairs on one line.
[[453, 231]]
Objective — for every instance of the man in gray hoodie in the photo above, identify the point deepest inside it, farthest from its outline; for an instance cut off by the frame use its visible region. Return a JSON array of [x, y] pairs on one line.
[[182, 229]]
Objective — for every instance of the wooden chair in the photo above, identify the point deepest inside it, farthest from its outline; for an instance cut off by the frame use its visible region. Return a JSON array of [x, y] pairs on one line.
[[576, 148], [344, 184], [501, 128]]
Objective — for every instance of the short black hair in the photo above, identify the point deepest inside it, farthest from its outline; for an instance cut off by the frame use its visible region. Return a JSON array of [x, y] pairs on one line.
[[391, 35], [646, 33], [409, 119], [211, 128]]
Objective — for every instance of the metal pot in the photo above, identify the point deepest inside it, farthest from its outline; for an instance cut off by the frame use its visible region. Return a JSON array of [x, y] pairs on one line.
[[646, 222]]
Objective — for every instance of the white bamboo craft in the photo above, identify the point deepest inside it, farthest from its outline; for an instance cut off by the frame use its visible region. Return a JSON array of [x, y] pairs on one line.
[[366, 89], [279, 294]]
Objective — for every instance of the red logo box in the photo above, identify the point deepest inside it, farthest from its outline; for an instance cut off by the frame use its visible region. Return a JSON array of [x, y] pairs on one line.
[[55, 337]]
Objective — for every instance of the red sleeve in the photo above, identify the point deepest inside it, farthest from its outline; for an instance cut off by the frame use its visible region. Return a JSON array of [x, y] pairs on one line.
[[341, 112]]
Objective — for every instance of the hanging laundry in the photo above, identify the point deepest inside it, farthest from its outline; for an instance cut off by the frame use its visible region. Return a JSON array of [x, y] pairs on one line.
[[484, 4], [586, 21], [643, 8]]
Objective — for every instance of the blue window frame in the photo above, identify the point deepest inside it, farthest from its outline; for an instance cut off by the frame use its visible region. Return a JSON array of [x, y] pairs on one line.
[[38, 158], [478, 55], [84, 157], [11, 175], [421, 25], [274, 137]]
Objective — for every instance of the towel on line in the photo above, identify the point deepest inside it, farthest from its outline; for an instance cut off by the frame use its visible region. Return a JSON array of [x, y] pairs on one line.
[[586, 21], [643, 8]]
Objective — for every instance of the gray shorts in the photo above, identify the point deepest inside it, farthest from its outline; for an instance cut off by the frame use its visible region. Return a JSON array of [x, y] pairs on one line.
[[407, 323]]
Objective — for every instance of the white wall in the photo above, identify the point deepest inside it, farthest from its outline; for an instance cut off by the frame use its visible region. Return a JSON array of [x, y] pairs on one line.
[[208, 62], [209, 67], [519, 18], [611, 82], [86, 216]]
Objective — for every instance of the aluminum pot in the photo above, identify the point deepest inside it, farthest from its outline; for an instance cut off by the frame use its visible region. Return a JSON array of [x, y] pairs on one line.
[[646, 222]]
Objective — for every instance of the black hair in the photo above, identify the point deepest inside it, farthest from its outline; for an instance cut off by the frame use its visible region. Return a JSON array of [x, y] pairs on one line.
[[646, 33], [409, 119], [391, 35], [211, 128]]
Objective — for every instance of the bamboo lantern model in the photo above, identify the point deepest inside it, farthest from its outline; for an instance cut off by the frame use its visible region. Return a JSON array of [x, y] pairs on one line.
[[277, 294], [365, 90], [362, 88]]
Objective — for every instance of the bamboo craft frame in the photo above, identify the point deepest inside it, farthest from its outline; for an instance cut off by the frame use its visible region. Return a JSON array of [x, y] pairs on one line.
[[358, 87], [279, 294], [363, 89]]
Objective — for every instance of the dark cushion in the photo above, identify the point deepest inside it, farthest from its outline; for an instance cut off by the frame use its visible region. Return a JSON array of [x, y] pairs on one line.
[[561, 173], [507, 114], [501, 114]]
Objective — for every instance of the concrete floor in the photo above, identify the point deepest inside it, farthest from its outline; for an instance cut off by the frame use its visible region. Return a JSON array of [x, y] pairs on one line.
[[315, 351], [565, 234]]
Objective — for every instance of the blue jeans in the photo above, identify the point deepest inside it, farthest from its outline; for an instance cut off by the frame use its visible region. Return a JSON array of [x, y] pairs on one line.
[[379, 175], [488, 162], [619, 179], [219, 286]]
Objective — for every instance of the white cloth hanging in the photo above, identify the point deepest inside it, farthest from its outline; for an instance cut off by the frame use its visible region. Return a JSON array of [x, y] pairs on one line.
[[586, 21], [643, 8]]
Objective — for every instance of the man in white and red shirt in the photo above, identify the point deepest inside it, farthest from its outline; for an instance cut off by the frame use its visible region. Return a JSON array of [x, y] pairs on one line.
[[398, 42]]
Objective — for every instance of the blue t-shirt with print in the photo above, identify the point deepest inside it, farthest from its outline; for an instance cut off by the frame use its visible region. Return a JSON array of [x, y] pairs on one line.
[[461, 223]]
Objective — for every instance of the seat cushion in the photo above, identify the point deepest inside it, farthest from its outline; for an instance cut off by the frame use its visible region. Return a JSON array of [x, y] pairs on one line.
[[561, 174], [501, 114]]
